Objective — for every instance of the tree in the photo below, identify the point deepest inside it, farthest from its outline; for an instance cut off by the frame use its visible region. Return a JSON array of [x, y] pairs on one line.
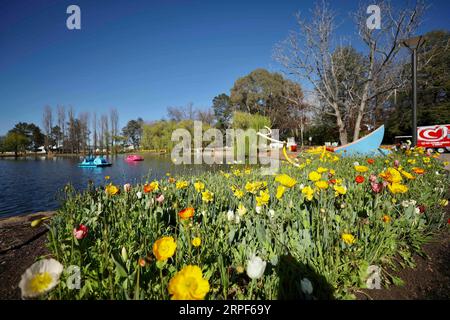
[[114, 118], [62, 124], [433, 88], [182, 113], [15, 141], [48, 125], [31, 132], [309, 54], [133, 132], [222, 111], [268, 94]]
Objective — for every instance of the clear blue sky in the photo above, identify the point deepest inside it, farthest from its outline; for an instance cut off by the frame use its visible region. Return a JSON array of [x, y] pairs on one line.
[[142, 56]]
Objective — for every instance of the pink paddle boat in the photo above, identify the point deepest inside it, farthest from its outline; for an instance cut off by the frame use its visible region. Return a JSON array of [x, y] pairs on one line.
[[134, 157]]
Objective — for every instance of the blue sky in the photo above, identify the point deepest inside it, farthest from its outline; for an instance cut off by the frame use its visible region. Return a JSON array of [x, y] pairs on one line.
[[142, 56]]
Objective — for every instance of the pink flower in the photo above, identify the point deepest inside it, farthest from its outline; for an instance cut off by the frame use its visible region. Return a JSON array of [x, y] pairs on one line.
[[80, 232], [373, 178], [160, 198], [127, 187], [396, 163], [376, 187]]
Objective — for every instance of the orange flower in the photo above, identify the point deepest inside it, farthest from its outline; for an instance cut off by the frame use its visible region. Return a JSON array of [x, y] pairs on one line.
[[171, 180], [386, 218], [370, 161], [359, 179], [418, 170], [148, 188], [186, 213]]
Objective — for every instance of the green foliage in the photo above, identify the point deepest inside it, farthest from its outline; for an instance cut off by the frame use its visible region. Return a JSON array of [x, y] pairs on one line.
[[270, 95], [433, 89], [222, 111], [297, 238], [132, 132]]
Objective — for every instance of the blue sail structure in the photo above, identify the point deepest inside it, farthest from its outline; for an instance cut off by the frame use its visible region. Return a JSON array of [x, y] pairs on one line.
[[366, 146]]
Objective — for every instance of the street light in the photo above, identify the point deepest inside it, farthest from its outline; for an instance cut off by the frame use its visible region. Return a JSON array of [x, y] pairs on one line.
[[413, 44]]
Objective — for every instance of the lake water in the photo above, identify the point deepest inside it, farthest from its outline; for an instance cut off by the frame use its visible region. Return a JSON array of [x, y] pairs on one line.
[[32, 184]]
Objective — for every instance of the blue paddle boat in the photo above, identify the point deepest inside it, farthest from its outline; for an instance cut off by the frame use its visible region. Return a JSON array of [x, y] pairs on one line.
[[94, 162]]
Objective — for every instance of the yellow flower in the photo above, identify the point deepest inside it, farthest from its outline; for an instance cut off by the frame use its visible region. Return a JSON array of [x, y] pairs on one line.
[[443, 202], [426, 160], [199, 186], [181, 184], [237, 172], [322, 184], [263, 198], [280, 192], [332, 172], [248, 171], [391, 175], [321, 170], [164, 248], [308, 192], [445, 163], [241, 210], [407, 175], [154, 185], [397, 188], [348, 238], [361, 168], [253, 187], [188, 284], [107, 177], [238, 193], [314, 176], [207, 196], [196, 242], [411, 161], [335, 158], [340, 189], [111, 189], [285, 180]]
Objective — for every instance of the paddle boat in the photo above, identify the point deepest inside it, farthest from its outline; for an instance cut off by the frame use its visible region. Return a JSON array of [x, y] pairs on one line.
[[134, 157], [94, 162]]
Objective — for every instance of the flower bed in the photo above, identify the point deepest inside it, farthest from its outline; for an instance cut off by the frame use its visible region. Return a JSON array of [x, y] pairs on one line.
[[312, 232]]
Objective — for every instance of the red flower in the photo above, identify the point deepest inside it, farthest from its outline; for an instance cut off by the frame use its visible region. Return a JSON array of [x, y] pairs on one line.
[[332, 181], [422, 208], [80, 232], [359, 179], [370, 161], [448, 221]]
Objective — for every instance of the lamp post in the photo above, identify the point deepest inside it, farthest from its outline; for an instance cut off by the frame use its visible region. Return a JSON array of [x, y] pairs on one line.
[[413, 44]]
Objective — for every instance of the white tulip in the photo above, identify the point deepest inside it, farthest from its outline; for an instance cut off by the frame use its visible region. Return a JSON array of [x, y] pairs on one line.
[[139, 194], [40, 278], [256, 267], [230, 215], [306, 286], [258, 209]]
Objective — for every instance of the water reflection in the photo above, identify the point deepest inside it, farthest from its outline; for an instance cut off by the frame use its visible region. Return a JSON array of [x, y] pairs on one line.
[[31, 184]]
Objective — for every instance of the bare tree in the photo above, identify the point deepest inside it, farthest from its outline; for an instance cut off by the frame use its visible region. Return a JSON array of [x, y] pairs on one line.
[[311, 54], [71, 130], [94, 128], [48, 125], [105, 135], [206, 116], [83, 120], [114, 118], [62, 125], [182, 113]]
